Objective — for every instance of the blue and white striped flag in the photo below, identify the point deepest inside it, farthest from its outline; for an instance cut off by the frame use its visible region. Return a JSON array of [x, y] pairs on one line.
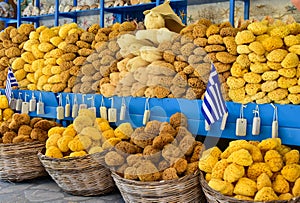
[[11, 81], [213, 106]]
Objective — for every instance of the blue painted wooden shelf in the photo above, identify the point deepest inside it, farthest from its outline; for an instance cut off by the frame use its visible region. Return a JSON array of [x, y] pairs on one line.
[[162, 109], [121, 13]]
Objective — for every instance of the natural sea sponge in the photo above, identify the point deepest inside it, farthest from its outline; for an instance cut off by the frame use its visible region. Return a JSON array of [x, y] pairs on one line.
[[272, 43], [244, 37], [235, 83], [258, 67], [277, 55], [291, 60], [252, 77], [258, 28], [269, 85], [278, 94], [270, 75]]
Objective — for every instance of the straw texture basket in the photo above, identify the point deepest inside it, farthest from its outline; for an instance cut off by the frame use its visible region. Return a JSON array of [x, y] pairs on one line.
[[84, 176], [185, 189], [19, 161], [213, 196]]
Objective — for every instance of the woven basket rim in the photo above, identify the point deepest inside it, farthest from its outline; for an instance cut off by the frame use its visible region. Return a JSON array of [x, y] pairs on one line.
[[161, 182], [21, 144], [217, 195], [68, 159]]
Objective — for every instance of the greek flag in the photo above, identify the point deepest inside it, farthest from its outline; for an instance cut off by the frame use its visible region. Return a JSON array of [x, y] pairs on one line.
[[213, 106], [10, 82]]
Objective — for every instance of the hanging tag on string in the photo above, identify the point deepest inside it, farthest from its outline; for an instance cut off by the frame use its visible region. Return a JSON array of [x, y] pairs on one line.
[[83, 105], [146, 115], [32, 103], [75, 107], [40, 106], [123, 110], [256, 122], [60, 109], [241, 123], [25, 105], [112, 112], [275, 122], [67, 106], [13, 102], [92, 107], [224, 121], [103, 110], [19, 102]]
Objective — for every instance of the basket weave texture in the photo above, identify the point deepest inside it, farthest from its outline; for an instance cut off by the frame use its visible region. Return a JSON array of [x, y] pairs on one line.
[[84, 175], [19, 161], [185, 189], [212, 196]]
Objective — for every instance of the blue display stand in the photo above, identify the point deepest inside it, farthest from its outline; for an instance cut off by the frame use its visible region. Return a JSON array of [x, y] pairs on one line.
[[121, 13], [162, 109]]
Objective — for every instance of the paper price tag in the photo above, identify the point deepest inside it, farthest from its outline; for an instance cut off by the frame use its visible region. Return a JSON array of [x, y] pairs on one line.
[[60, 112], [19, 104], [146, 117], [13, 103], [67, 110], [25, 107], [241, 127], [103, 112], [75, 109], [32, 105], [256, 126], [112, 115], [274, 129], [40, 108], [123, 112]]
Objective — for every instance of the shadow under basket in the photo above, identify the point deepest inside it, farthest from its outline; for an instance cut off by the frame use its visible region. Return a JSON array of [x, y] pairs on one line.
[[212, 196], [19, 161], [185, 189], [84, 175]]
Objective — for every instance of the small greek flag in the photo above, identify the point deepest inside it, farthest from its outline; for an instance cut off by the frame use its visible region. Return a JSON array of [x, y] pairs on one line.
[[213, 106], [11, 81]]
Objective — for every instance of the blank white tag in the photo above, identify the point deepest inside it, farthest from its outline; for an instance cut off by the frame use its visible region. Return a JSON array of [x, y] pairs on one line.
[[93, 109], [241, 127], [19, 104], [32, 105], [67, 110], [146, 117], [60, 112], [40, 108], [13, 103], [25, 107], [274, 129], [112, 115], [103, 112], [256, 126], [75, 110], [224, 121], [122, 112], [83, 106]]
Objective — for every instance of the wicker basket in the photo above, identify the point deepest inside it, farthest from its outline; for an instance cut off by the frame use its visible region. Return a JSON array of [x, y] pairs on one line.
[[185, 189], [84, 176], [20, 162], [212, 196]]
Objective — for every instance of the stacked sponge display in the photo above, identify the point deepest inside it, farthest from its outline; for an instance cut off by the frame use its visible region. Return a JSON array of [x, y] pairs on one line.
[[157, 151], [253, 171], [86, 135], [11, 47], [266, 69]]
